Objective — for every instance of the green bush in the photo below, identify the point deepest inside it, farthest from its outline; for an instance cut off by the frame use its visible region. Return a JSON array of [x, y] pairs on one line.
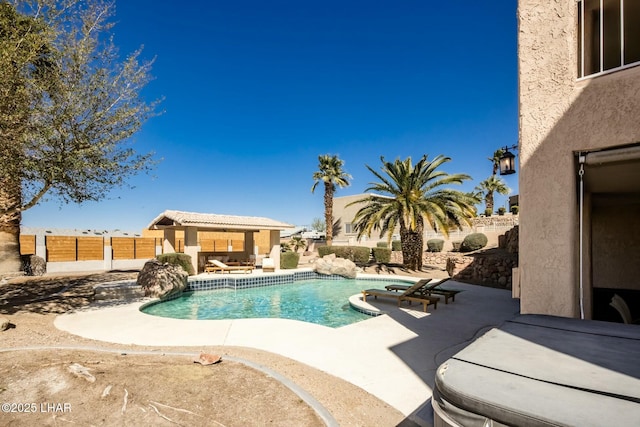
[[456, 246], [382, 255], [324, 250], [515, 209], [488, 212], [357, 254], [435, 245], [501, 211], [183, 260], [382, 245], [396, 245], [473, 242], [289, 260]]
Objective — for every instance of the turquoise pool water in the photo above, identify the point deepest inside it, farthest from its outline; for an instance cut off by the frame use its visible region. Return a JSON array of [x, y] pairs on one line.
[[325, 302]]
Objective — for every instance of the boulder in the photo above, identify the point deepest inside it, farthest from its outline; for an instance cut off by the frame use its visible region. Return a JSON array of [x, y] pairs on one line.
[[33, 265], [330, 264], [162, 280], [509, 240], [38, 265]]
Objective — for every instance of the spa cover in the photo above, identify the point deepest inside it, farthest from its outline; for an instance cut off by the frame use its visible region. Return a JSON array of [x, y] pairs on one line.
[[542, 370]]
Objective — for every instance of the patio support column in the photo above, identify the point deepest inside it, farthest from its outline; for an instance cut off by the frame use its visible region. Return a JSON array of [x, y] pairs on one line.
[[249, 245], [191, 245], [169, 243]]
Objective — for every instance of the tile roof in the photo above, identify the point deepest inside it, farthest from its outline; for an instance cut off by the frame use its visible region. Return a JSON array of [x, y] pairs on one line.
[[214, 221]]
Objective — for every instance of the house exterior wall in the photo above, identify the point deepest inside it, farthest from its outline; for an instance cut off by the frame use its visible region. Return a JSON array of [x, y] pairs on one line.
[[560, 116], [346, 214]]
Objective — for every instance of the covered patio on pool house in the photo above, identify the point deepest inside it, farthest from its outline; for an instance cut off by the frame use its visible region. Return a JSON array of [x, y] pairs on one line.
[[204, 235]]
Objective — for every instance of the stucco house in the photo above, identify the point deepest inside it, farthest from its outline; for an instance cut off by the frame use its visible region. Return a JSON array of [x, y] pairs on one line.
[[579, 153], [579, 149]]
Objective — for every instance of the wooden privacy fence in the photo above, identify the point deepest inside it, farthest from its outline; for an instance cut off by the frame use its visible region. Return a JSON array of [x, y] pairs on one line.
[[221, 245], [79, 248], [134, 247]]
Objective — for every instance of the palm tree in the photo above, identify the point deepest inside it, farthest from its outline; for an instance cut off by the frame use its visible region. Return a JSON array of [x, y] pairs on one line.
[[331, 173], [410, 196], [497, 155], [297, 243], [491, 185]]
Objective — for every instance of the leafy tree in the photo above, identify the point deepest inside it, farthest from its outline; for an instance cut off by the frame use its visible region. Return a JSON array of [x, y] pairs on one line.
[[318, 224], [408, 196], [24, 63], [495, 160], [493, 184], [68, 108], [330, 172]]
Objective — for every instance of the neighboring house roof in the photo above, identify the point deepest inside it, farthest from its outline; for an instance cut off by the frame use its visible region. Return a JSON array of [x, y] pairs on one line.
[[293, 232], [171, 218]]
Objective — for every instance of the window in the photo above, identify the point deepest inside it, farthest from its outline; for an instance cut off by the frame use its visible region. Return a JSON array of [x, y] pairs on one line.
[[348, 228], [608, 35]]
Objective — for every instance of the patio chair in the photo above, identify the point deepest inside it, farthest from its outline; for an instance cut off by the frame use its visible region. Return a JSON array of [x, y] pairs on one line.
[[411, 294], [432, 288], [268, 265], [219, 266]]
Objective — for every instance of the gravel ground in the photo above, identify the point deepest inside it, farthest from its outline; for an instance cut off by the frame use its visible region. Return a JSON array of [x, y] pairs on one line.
[[164, 387]]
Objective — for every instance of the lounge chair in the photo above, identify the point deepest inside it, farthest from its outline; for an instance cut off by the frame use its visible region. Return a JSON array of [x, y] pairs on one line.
[[430, 289], [411, 294], [219, 266], [268, 265]]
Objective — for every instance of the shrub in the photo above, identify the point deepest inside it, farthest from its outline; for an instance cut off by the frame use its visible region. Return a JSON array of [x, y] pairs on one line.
[[357, 254], [488, 212], [183, 260], [501, 211], [382, 245], [435, 245], [382, 255], [456, 246], [361, 254], [515, 209], [289, 260], [473, 242], [396, 245], [324, 250]]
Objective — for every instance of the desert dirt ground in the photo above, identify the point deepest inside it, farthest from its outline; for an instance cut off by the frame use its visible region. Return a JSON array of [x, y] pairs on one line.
[[161, 387]]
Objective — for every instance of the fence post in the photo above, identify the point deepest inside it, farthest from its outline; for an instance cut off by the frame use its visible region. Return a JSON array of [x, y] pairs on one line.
[[41, 246], [108, 254]]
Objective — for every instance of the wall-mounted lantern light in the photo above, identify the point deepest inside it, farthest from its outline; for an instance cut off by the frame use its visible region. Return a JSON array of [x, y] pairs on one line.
[[508, 161]]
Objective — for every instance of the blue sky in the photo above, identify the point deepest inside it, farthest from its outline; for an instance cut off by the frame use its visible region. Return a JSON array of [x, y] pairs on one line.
[[254, 91]]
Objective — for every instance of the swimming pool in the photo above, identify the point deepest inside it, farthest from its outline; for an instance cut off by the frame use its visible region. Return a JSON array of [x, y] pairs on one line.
[[321, 301]]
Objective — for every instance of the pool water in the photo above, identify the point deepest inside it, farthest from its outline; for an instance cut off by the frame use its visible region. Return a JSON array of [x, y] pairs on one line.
[[325, 302]]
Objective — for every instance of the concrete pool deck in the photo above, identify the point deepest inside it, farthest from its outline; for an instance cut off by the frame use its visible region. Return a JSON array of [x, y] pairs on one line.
[[393, 356]]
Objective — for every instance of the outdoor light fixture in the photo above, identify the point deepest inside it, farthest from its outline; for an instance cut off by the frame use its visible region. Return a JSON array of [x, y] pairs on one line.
[[508, 161]]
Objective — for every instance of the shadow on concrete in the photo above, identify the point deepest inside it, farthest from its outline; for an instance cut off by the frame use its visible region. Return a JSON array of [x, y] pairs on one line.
[[446, 330]]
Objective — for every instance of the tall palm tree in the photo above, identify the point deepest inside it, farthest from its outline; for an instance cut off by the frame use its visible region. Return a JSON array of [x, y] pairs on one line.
[[491, 185], [496, 160], [409, 196], [330, 172]]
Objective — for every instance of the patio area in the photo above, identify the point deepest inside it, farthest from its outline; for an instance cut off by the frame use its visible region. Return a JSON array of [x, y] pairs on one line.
[[394, 356]]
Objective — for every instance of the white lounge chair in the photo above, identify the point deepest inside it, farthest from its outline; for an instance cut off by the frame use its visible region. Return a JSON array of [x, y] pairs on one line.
[[220, 267]]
